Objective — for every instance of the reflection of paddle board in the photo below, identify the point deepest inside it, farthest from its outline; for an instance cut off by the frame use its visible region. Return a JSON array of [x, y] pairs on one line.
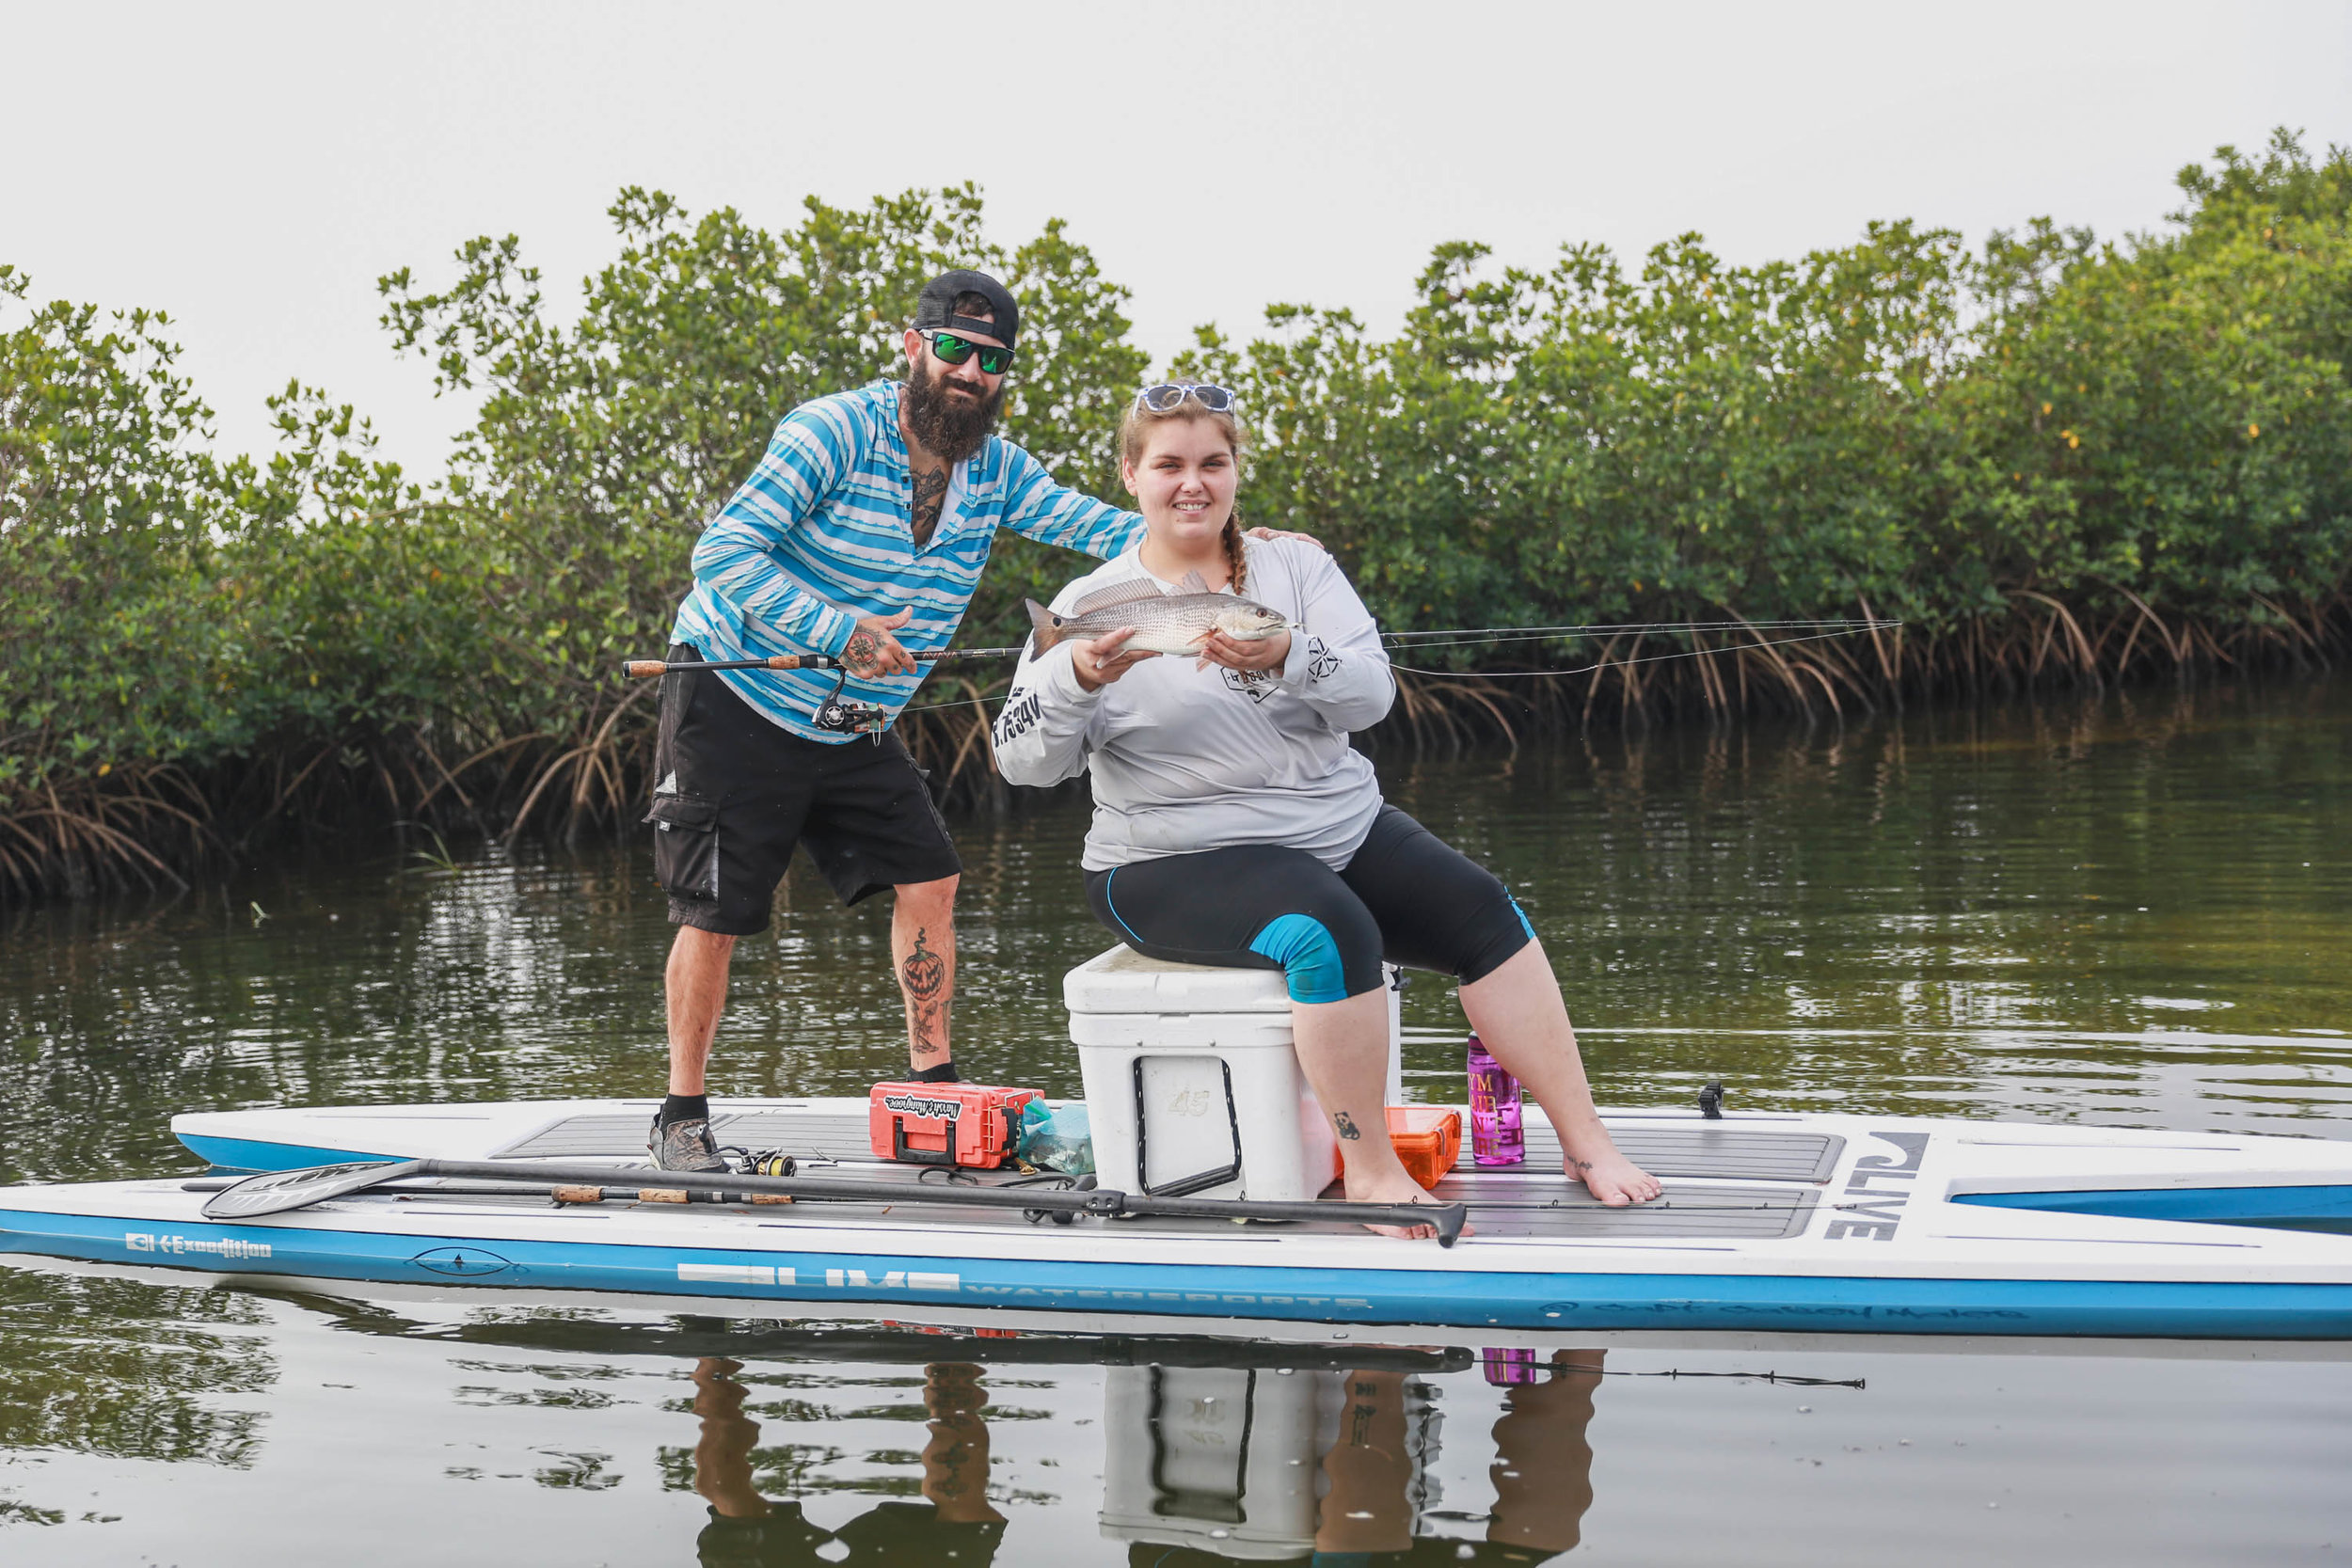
[[1788, 1223]]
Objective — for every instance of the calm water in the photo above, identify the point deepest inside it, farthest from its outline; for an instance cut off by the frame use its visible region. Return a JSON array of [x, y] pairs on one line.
[[2133, 912]]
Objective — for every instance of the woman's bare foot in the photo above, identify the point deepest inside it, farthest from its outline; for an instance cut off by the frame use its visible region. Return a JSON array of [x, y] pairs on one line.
[[1615, 1179], [1398, 1188]]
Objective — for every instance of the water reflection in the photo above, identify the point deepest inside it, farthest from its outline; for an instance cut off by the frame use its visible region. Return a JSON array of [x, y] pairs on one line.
[[232, 1425], [1202, 1463], [1326, 1467], [955, 1520], [117, 1367]]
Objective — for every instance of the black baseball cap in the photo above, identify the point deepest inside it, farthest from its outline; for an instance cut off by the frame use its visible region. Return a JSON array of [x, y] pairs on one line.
[[934, 308]]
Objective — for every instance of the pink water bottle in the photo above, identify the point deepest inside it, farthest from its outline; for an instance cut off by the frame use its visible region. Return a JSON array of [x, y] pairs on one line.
[[1494, 1096]]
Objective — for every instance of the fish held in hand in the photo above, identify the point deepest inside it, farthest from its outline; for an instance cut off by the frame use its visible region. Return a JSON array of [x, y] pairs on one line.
[[1174, 623]]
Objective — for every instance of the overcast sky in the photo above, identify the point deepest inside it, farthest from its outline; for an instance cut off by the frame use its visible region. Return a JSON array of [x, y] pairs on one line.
[[254, 168]]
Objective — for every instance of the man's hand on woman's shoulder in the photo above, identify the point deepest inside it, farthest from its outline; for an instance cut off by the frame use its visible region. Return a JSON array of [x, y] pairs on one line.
[[1285, 533]]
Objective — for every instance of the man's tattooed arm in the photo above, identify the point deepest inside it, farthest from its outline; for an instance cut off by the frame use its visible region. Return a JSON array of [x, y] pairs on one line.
[[930, 494], [860, 657]]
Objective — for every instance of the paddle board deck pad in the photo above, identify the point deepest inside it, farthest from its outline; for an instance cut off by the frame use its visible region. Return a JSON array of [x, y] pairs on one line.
[[1777, 1223]]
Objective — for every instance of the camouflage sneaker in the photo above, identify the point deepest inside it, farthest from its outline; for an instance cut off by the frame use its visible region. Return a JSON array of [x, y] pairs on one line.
[[684, 1145]]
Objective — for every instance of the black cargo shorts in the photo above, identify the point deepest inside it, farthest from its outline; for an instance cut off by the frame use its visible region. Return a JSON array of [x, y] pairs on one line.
[[734, 792]]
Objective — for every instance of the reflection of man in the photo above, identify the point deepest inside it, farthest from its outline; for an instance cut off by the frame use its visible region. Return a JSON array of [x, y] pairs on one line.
[[746, 1531], [956, 1523]]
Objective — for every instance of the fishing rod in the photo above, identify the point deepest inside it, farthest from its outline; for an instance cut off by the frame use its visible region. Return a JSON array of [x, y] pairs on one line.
[[1449, 636], [638, 668], [837, 713]]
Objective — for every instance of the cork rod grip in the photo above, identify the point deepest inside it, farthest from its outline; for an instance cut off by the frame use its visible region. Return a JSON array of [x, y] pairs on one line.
[[638, 668]]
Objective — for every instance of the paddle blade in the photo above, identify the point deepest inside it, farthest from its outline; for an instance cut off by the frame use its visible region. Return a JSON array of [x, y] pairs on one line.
[[275, 1191]]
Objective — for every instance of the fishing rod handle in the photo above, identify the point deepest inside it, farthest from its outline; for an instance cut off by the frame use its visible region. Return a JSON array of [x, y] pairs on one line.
[[637, 669]]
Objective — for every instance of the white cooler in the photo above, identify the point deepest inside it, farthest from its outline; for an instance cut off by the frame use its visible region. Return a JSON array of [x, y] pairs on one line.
[[1191, 1084]]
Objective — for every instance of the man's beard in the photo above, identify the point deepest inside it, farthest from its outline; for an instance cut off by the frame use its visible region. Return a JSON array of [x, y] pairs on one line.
[[949, 428]]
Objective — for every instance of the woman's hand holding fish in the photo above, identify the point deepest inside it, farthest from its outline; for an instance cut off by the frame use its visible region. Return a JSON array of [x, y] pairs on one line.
[[1102, 661], [1257, 653]]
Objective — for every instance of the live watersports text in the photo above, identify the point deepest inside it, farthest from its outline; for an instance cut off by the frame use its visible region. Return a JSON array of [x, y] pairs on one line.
[[218, 1247]]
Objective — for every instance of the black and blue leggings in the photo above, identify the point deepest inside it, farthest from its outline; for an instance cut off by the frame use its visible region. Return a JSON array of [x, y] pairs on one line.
[[1406, 896]]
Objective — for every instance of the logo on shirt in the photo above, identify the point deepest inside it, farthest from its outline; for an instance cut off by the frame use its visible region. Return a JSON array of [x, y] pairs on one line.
[[1258, 685], [1322, 663], [1020, 716]]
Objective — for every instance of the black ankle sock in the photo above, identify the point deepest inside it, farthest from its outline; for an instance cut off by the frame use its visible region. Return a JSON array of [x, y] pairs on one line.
[[685, 1107], [943, 1074]]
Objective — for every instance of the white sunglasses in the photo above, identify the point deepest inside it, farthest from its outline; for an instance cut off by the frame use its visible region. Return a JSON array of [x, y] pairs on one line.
[[1168, 396]]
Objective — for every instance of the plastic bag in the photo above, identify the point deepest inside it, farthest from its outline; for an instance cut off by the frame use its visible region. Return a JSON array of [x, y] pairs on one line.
[[1057, 1139]]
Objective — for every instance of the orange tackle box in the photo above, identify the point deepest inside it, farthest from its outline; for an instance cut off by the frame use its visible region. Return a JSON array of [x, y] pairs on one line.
[[1426, 1138], [945, 1124]]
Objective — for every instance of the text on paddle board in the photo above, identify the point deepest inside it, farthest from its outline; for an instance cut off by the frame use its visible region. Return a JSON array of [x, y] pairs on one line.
[[1878, 1211], [219, 1247]]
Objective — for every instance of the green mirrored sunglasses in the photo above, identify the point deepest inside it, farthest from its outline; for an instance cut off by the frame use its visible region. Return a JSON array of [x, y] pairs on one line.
[[953, 350]]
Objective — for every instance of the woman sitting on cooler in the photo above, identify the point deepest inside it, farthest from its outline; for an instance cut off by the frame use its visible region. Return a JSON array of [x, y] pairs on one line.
[[1234, 825]]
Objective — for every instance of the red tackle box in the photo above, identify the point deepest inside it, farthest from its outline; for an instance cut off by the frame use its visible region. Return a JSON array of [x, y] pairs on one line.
[[945, 1124]]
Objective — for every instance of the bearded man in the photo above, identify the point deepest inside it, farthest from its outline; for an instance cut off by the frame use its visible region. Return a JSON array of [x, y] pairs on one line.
[[862, 533]]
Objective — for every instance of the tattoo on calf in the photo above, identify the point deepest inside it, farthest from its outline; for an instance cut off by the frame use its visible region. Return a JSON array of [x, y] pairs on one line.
[[924, 977], [930, 494], [1346, 1124]]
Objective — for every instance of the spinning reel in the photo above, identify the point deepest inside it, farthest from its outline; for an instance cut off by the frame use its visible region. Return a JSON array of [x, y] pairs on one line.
[[848, 717]]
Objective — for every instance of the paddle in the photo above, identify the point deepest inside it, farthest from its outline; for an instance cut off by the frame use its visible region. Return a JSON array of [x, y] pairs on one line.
[[276, 1192]]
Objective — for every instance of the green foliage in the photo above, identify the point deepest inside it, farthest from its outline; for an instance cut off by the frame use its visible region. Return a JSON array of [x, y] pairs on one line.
[[1979, 442], [1900, 423], [602, 450]]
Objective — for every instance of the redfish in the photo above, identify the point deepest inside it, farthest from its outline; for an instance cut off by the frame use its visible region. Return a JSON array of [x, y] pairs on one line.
[[1174, 623]]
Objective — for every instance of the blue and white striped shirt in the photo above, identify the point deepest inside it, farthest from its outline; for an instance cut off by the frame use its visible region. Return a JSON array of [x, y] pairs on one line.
[[821, 533]]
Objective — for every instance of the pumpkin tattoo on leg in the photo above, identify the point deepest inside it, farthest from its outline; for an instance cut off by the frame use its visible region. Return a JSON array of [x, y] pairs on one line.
[[924, 977]]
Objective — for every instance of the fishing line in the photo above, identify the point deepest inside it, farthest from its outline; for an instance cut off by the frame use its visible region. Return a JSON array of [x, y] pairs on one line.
[[1518, 634], [1613, 663]]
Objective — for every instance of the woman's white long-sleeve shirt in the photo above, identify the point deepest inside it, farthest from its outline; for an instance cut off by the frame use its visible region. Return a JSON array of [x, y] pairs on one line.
[[1185, 759]]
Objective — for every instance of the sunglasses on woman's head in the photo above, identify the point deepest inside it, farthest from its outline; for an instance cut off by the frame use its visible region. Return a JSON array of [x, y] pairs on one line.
[[1169, 395], [955, 351]]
